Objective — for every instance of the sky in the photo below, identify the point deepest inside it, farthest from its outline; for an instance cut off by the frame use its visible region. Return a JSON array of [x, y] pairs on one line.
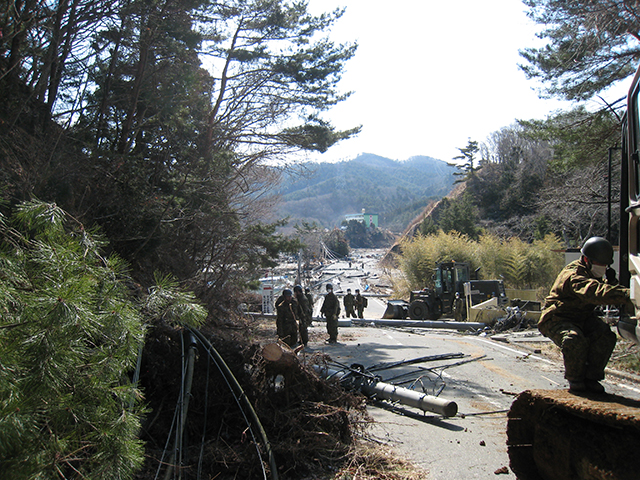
[[431, 74]]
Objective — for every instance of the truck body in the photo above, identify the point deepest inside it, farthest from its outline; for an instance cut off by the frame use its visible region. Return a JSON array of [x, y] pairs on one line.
[[629, 267]]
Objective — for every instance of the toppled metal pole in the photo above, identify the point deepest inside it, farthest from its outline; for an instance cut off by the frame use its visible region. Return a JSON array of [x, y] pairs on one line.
[[393, 393], [426, 403], [421, 323]]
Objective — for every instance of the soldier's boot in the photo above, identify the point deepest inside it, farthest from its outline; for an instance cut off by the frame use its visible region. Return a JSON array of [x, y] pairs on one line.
[[594, 386], [577, 386]]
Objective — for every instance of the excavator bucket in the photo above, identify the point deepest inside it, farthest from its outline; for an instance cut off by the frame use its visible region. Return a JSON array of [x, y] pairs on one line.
[[396, 309]]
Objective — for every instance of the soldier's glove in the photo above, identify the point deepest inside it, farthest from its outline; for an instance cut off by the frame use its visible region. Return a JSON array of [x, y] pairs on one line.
[[611, 276]]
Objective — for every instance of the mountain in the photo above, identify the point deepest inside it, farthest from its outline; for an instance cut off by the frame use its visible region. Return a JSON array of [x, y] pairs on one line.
[[396, 190]]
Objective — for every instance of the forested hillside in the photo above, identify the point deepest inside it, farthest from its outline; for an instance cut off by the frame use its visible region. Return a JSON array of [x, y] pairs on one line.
[[539, 177], [396, 190]]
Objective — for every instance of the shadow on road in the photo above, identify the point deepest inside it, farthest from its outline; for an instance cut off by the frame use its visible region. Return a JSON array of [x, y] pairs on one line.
[[435, 420]]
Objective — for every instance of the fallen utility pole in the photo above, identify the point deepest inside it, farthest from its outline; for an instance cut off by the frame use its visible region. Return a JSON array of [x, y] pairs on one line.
[[393, 393], [421, 323]]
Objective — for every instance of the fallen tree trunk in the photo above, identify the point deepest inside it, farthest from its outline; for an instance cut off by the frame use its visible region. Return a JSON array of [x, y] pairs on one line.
[[280, 355]]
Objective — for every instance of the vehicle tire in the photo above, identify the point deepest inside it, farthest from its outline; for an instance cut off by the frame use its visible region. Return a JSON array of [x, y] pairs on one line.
[[418, 310]]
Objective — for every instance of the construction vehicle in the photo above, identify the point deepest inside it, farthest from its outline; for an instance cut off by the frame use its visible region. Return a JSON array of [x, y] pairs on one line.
[[557, 435], [450, 278]]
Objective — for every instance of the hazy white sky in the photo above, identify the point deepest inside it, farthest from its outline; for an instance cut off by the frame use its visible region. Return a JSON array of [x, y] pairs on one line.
[[430, 74]]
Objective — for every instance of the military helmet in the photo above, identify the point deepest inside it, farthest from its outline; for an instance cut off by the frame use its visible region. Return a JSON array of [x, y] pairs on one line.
[[297, 289], [307, 290], [287, 293], [598, 249], [329, 286]]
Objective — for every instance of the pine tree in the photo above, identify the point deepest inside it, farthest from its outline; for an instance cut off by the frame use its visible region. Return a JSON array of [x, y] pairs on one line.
[[68, 336]]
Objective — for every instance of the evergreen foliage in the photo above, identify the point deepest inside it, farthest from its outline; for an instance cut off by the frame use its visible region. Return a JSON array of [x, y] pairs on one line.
[[360, 236], [591, 44], [336, 241], [467, 157], [459, 215], [68, 337]]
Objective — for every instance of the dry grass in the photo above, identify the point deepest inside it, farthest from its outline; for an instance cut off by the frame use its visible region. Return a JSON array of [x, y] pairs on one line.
[[626, 357], [368, 461]]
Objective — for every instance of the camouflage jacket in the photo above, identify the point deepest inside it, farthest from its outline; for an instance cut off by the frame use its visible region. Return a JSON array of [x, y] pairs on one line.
[[348, 300], [331, 305], [576, 293], [304, 310]]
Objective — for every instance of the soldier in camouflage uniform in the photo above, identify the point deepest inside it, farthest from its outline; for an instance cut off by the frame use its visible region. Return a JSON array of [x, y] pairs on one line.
[[286, 321], [309, 295], [331, 309], [349, 301], [569, 320], [303, 314]]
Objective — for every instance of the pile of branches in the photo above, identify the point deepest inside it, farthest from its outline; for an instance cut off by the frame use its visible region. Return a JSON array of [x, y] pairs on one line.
[[311, 424]]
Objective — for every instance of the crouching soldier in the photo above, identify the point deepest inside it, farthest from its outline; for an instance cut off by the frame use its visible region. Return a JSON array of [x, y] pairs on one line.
[[570, 321]]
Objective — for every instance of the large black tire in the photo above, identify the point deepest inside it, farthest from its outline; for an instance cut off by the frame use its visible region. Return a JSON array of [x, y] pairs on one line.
[[418, 310]]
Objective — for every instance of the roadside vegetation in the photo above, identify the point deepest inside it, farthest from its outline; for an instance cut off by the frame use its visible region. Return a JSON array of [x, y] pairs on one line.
[[519, 264]]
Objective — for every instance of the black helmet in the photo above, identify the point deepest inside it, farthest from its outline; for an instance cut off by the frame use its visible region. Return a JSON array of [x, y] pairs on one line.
[[286, 292], [297, 289], [329, 286], [307, 290], [598, 249]]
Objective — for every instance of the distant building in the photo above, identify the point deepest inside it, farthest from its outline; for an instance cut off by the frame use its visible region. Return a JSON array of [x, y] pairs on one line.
[[369, 219]]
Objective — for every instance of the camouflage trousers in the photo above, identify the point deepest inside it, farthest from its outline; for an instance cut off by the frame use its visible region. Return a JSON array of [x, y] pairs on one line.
[[288, 333], [332, 327], [304, 332], [586, 347]]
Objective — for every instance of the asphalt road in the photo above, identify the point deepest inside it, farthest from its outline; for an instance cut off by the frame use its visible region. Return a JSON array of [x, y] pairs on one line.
[[483, 383]]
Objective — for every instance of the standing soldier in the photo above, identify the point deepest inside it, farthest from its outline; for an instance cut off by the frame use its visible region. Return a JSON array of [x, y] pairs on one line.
[[348, 304], [459, 308], [303, 314], [331, 309], [309, 295], [286, 321], [569, 320], [361, 304]]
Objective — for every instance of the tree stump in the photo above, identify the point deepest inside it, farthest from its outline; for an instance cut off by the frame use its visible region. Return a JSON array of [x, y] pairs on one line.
[[281, 357]]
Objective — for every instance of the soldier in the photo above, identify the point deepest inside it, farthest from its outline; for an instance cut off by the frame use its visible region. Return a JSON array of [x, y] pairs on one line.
[[569, 320], [331, 309], [309, 295], [348, 304], [286, 321], [361, 304], [303, 314], [459, 308]]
